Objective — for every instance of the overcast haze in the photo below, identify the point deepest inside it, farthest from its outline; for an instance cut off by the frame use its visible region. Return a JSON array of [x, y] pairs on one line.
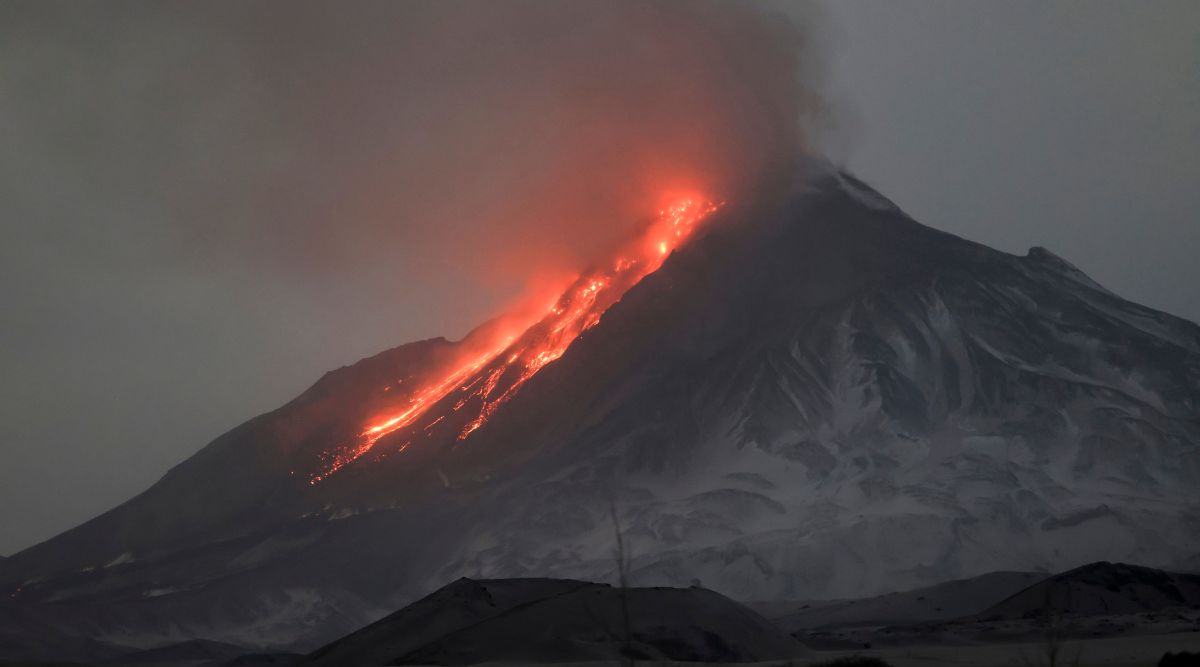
[[203, 211]]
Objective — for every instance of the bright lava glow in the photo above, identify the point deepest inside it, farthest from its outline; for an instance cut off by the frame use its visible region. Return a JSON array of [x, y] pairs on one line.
[[484, 382]]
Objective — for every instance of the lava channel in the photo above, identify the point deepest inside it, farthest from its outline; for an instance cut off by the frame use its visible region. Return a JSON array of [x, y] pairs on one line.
[[487, 380]]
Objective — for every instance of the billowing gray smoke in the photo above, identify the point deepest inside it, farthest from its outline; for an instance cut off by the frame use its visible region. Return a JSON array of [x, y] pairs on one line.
[[500, 137]]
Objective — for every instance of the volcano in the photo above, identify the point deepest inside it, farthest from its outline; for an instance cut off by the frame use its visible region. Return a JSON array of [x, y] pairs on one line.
[[803, 394]]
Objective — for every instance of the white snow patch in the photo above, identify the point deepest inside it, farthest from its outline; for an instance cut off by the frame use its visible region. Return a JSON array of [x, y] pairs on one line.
[[158, 592], [343, 513], [126, 557]]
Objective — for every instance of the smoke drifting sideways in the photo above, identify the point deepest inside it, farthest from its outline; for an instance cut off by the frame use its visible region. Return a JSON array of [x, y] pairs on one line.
[[500, 141], [511, 142]]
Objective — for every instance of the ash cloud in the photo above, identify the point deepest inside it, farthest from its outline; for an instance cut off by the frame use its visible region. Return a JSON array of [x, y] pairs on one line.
[[499, 139], [317, 136]]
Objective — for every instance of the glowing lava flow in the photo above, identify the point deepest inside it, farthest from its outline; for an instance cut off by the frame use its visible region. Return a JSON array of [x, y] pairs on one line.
[[487, 380]]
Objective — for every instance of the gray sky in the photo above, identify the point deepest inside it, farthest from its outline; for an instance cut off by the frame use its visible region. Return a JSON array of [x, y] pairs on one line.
[[202, 211]]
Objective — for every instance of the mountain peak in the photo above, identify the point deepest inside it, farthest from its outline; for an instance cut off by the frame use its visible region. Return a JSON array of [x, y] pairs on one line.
[[1043, 257], [815, 396]]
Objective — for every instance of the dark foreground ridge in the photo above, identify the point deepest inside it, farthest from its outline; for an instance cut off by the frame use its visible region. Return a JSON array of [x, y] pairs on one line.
[[1093, 601], [550, 620], [1097, 608]]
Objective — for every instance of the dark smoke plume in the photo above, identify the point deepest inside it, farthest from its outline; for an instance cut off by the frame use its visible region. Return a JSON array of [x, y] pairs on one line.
[[497, 139], [509, 138]]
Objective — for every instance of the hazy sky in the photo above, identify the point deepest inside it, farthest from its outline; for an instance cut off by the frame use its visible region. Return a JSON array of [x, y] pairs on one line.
[[202, 211]]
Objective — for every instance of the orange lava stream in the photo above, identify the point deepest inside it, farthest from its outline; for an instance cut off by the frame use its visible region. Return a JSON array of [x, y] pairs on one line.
[[487, 381]]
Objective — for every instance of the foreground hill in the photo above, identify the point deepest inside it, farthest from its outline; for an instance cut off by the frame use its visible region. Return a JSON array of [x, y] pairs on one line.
[[941, 602], [1101, 589], [1096, 600], [546, 620]]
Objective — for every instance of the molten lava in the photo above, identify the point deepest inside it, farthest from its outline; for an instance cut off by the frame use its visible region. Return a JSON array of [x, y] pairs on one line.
[[484, 382]]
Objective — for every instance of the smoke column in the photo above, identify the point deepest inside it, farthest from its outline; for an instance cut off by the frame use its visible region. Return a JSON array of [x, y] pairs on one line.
[[511, 139]]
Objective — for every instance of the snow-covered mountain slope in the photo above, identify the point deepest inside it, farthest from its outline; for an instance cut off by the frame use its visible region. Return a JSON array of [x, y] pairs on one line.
[[815, 397]]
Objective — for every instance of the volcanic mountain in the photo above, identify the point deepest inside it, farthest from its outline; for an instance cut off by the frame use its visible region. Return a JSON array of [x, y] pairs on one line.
[[803, 394]]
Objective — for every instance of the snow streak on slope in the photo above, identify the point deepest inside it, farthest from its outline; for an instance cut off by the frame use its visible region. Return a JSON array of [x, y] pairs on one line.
[[485, 381]]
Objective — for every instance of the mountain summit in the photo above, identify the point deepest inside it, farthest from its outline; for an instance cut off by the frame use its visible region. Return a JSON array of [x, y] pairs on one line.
[[811, 396]]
